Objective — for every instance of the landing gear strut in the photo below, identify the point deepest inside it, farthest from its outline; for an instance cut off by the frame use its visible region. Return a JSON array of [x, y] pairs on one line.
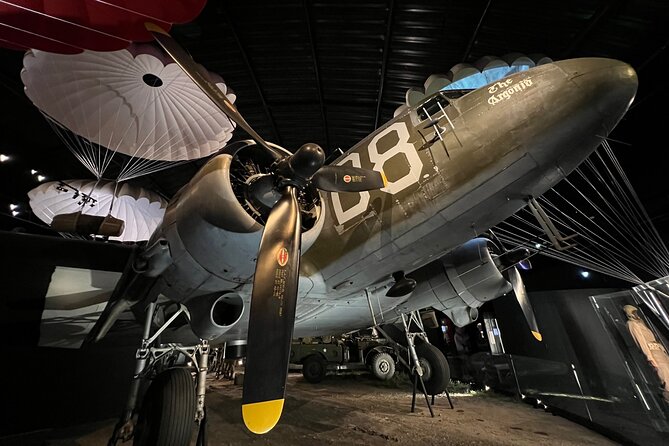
[[426, 363], [174, 401]]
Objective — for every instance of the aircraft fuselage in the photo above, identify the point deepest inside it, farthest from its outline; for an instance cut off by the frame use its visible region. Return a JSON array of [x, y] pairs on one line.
[[497, 146]]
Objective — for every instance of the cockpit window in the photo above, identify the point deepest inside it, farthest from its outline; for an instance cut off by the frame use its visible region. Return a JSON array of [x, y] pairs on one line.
[[431, 107]]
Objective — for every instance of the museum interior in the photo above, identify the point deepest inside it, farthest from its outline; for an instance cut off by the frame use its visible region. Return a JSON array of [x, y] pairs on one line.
[[320, 222]]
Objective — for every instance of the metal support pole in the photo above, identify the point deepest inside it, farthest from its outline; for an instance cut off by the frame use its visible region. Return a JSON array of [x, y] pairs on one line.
[[201, 379], [125, 427], [371, 311], [416, 368]]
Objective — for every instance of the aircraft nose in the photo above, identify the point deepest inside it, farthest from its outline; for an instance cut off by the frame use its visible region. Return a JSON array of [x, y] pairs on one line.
[[609, 84]]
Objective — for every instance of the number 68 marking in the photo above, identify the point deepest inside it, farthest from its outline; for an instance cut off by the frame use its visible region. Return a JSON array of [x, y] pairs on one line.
[[378, 160]]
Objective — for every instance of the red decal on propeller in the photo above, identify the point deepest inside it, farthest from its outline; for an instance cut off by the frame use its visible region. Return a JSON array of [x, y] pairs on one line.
[[282, 257], [347, 178]]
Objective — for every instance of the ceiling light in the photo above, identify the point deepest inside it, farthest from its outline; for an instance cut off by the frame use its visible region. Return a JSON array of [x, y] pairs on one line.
[[13, 206], [537, 245], [4, 158], [585, 274], [15, 213], [41, 178], [33, 171]]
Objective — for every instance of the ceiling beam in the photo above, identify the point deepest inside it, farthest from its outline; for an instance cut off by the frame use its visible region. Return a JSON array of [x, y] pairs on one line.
[[252, 74], [604, 8], [317, 73], [475, 34], [384, 61]]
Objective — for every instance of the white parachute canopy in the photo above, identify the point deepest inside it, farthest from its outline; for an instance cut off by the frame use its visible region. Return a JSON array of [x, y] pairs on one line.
[[136, 101], [141, 210]]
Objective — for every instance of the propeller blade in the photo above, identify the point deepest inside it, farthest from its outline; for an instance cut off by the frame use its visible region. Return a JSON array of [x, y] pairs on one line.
[[186, 62], [348, 179], [272, 315], [524, 301]]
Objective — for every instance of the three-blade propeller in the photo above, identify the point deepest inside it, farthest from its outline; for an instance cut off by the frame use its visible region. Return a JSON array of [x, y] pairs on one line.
[[274, 295]]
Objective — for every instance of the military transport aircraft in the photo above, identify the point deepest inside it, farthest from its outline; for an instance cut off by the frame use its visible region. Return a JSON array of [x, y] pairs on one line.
[[264, 244]]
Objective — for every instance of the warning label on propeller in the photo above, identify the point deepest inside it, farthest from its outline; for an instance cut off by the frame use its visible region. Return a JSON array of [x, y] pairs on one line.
[[282, 257], [353, 178]]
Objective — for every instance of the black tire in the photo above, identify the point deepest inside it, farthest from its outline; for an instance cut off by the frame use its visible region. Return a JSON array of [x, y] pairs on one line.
[[382, 366], [436, 373], [314, 368], [167, 415]]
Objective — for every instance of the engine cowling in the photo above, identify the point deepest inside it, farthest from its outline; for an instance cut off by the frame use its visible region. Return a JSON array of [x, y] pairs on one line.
[[213, 231], [461, 281]]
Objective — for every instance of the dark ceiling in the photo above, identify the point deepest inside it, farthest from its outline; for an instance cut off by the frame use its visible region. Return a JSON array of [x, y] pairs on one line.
[[331, 72]]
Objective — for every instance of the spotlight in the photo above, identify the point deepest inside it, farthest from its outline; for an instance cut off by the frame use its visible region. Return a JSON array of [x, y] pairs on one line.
[[13, 206], [33, 171], [15, 213], [585, 274], [41, 178], [4, 158], [537, 245]]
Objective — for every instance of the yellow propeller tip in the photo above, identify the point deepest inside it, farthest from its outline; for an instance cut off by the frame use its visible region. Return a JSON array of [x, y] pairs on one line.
[[152, 27], [537, 335], [385, 179], [261, 417]]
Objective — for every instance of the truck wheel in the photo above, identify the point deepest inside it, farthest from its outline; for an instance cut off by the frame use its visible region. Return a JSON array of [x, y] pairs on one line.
[[436, 373], [167, 415], [383, 366], [313, 368]]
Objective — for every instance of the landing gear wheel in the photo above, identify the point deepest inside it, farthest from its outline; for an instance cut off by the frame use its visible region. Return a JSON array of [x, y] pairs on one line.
[[436, 373], [167, 415], [313, 369], [383, 366]]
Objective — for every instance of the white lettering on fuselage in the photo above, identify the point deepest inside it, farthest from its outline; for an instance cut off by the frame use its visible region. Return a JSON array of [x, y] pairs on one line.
[[403, 147], [502, 90]]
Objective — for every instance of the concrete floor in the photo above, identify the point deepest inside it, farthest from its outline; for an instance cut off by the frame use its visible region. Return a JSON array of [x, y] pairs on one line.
[[359, 410]]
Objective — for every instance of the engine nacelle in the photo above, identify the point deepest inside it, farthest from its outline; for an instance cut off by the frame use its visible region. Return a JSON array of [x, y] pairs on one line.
[[461, 281], [213, 236]]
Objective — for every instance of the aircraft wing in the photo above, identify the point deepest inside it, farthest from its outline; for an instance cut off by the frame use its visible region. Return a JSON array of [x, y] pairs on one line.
[[54, 289]]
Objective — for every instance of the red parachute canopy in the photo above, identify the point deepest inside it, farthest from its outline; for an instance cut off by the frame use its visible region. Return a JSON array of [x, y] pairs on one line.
[[70, 26]]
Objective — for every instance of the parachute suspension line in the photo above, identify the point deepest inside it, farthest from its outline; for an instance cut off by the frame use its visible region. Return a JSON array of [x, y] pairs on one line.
[[75, 146], [85, 146], [511, 237], [111, 149], [644, 230], [607, 258], [626, 212], [597, 235], [81, 148], [597, 201], [107, 128], [577, 254], [645, 218], [138, 165]]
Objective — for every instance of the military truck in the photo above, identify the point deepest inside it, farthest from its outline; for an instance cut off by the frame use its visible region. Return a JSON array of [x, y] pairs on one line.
[[319, 355]]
